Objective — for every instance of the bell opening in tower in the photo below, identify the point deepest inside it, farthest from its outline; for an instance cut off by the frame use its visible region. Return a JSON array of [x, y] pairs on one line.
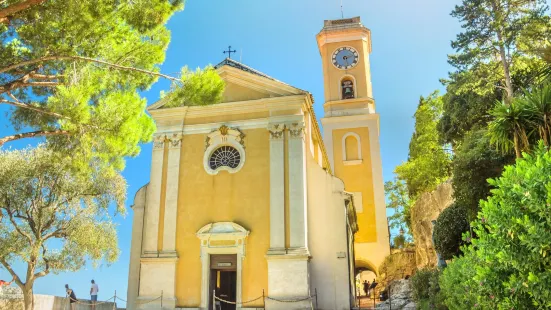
[[347, 86]]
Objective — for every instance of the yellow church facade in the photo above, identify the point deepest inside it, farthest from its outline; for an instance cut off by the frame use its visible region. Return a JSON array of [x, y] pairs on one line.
[[250, 206]]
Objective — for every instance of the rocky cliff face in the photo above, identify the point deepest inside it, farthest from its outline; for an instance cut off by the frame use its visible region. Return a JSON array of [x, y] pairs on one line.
[[401, 297], [426, 209]]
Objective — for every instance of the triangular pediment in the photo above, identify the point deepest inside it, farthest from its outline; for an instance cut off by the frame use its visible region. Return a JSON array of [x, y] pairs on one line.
[[244, 83]]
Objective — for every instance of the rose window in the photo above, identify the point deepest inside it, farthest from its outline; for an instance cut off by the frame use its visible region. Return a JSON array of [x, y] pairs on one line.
[[225, 156]]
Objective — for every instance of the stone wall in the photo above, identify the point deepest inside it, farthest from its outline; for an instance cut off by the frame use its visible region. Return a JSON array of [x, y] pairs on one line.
[[426, 209], [11, 298], [399, 265]]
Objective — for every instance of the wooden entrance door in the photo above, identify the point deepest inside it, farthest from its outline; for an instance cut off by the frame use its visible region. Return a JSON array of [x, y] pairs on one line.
[[223, 280]]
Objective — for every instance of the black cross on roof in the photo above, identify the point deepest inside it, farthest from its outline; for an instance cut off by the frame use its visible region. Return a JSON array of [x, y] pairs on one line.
[[229, 51]]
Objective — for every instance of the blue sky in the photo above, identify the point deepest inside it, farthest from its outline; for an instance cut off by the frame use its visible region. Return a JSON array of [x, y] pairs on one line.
[[410, 42]]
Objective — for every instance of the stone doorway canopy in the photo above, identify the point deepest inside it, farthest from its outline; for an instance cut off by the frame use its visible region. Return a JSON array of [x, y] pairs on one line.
[[221, 238]]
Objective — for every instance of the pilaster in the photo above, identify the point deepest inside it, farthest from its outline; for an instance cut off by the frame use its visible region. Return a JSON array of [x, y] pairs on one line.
[[153, 199], [171, 203], [297, 187], [277, 188]]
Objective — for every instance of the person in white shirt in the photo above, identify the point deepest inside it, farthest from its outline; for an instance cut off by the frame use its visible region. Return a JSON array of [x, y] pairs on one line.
[[94, 294]]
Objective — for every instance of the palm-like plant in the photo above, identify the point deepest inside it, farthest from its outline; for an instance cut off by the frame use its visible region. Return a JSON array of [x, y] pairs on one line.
[[511, 127], [538, 105]]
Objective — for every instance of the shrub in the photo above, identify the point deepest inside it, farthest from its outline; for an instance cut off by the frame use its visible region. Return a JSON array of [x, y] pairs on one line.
[[508, 264], [420, 283], [458, 287], [426, 288], [450, 226]]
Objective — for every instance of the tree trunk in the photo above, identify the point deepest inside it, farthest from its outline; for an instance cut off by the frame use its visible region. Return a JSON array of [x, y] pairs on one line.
[[503, 55], [28, 297], [517, 146]]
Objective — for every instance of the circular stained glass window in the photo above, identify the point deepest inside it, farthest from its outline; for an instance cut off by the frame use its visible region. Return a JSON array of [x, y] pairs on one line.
[[225, 156]]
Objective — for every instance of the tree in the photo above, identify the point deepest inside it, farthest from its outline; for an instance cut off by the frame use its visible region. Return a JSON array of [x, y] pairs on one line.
[[428, 163], [538, 104], [475, 161], [508, 129], [448, 231], [472, 93], [398, 200], [202, 87], [53, 218], [511, 253], [73, 71], [493, 30], [526, 120]]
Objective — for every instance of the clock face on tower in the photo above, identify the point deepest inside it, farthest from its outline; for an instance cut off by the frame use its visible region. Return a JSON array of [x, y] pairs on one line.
[[345, 58]]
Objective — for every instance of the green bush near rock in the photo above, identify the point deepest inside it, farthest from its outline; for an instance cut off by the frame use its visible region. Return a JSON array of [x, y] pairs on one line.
[[448, 231], [426, 289], [508, 264]]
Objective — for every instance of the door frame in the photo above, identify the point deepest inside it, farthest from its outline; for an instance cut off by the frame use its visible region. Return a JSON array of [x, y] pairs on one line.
[[221, 238]]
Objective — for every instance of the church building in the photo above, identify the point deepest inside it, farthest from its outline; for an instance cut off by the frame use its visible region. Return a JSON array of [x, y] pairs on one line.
[[250, 205]]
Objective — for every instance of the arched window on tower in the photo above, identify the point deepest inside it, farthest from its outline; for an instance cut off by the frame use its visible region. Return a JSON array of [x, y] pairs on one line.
[[351, 146], [347, 88]]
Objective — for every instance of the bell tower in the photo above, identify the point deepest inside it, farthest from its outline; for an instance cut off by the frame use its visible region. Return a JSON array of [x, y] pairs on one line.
[[351, 132]]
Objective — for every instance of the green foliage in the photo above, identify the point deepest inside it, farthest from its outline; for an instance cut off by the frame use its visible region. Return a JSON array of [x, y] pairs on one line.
[[512, 30], [457, 283], [508, 129], [202, 87], [475, 162], [75, 69], [429, 163], [398, 200], [495, 27], [520, 124], [52, 217], [448, 231], [511, 253], [426, 288], [472, 93], [399, 241]]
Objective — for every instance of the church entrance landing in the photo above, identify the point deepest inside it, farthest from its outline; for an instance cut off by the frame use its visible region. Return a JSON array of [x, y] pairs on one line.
[[223, 280]]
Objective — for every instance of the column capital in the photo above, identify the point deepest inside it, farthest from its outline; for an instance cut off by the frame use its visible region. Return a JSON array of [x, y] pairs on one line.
[[296, 130], [276, 131], [159, 141], [175, 139]]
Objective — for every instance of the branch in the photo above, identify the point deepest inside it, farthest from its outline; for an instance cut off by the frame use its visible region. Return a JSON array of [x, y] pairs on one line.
[[10, 270], [18, 84], [88, 59], [46, 262], [12, 220], [38, 76], [40, 133], [16, 8], [33, 108]]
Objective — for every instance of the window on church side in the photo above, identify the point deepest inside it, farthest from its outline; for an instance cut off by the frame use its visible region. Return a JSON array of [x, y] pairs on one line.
[[347, 87], [225, 156]]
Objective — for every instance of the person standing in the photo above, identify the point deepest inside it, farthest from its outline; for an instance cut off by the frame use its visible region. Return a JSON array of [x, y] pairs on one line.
[[94, 289], [72, 297], [365, 287]]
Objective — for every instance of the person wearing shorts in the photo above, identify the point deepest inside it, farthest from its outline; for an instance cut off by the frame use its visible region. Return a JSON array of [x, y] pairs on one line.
[[94, 294], [72, 297]]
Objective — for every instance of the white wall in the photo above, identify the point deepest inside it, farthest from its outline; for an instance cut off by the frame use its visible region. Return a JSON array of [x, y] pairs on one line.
[[327, 237]]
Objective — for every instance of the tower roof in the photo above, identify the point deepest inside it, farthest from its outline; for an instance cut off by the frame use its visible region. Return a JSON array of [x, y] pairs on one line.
[[342, 24]]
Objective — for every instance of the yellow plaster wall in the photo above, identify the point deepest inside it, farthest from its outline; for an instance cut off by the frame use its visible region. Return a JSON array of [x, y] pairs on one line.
[[234, 92], [242, 198], [351, 144], [358, 178], [333, 76]]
